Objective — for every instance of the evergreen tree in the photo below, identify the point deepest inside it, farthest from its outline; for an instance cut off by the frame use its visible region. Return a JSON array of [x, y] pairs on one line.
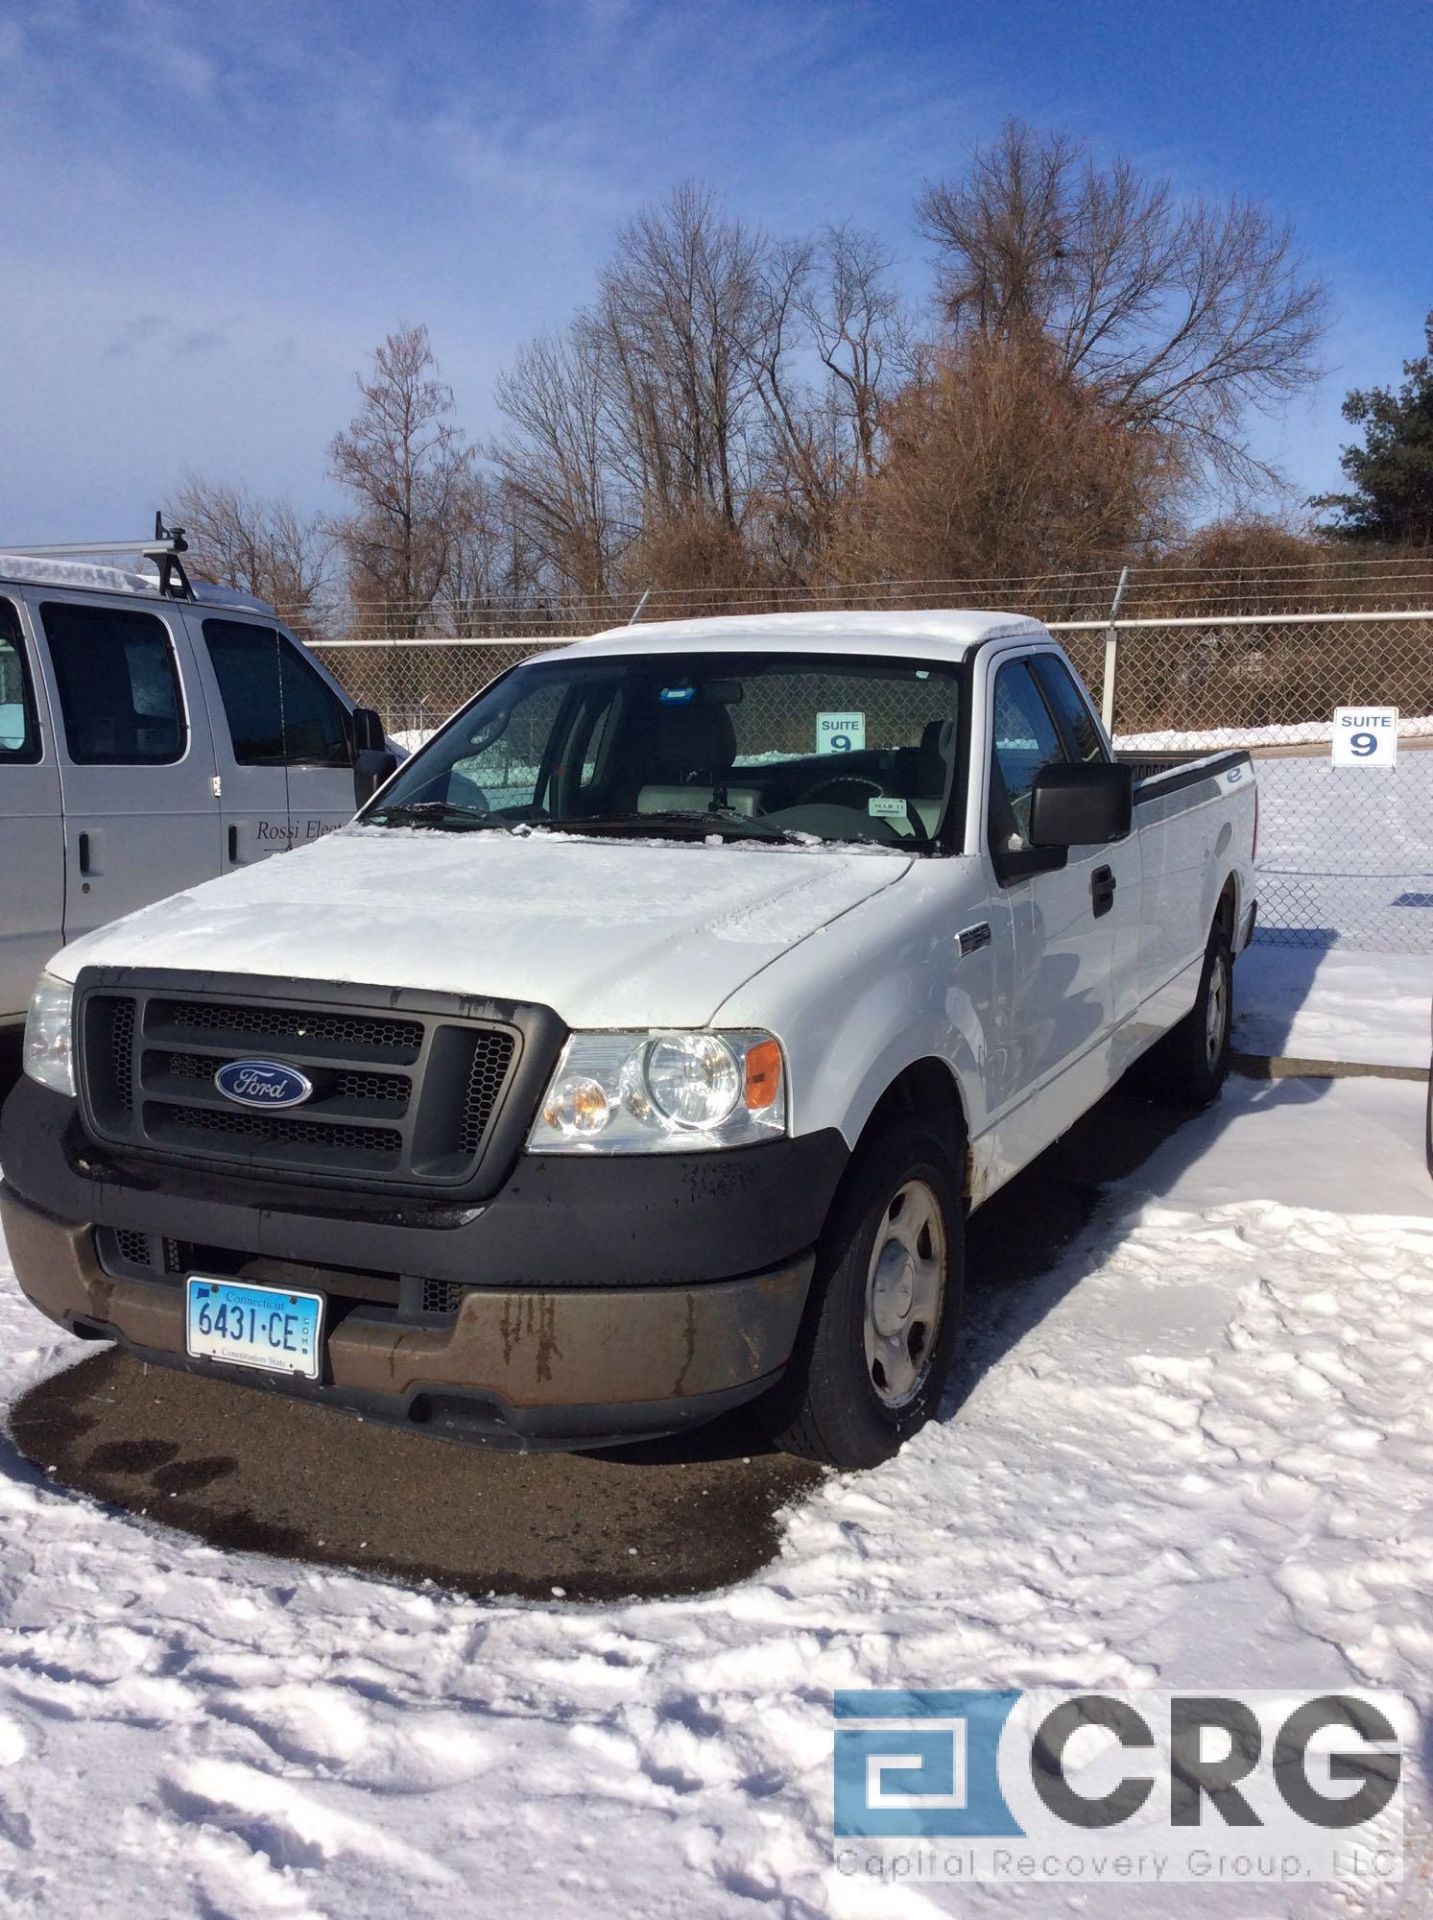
[[1392, 472]]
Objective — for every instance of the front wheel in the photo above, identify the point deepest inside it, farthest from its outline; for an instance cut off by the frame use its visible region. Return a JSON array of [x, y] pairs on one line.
[[876, 1342], [1191, 1063]]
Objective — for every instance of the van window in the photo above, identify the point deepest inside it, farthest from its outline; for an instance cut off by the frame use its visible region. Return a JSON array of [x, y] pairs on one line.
[[118, 686], [280, 713], [19, 735]]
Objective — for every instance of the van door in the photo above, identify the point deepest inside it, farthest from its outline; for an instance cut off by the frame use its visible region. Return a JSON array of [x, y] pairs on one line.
[[136, 763], [284, 745], [1059, 1006], [32, 843], [319, 728]]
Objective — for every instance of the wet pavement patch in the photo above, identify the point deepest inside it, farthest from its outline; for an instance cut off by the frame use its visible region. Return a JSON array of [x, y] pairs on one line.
[[250, 1470]]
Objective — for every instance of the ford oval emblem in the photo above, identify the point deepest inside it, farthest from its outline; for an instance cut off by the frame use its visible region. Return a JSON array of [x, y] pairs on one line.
[[262, 1083]]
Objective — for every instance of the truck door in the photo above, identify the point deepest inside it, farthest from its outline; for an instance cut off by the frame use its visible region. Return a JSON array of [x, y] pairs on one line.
[[1059, 998], [32, 844], [282, 738], [1085, 738], [136, 766]]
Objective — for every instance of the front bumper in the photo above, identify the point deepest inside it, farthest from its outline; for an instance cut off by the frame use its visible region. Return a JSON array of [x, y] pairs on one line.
[[603, 1298], [575, 1367]]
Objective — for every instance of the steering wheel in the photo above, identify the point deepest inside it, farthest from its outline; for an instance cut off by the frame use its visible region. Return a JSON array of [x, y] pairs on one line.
[[844, 784], [854, 785]]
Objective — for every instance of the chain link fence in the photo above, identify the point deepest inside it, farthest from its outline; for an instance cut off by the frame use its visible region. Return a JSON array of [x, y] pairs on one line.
[[1345, 854]]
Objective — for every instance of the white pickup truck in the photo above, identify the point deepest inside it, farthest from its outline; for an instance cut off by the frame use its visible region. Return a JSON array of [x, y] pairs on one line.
[[641, 1048]]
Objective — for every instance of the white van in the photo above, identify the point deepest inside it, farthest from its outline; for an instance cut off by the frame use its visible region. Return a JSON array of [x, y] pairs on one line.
[[153, 734]]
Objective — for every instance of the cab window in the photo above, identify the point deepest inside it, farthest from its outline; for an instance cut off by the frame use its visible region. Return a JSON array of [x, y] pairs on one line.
[[118, 685], [279, 712], [19, 733], [1069, 708], [1024, 738], [502, 766]]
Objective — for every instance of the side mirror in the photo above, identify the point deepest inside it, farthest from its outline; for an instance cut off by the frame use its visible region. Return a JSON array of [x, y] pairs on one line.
[[368, 734], [370, 770], [373, 759], [1082, 805]]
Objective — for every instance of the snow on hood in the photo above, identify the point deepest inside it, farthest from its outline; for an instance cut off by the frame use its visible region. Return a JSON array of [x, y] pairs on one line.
[[608, 933]]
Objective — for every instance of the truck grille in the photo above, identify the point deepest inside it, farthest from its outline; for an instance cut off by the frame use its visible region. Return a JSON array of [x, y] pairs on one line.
[[347, 1034], [408, 1099]]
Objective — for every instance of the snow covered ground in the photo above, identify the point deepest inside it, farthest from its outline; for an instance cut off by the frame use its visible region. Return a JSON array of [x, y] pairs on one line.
[[1196, 1452], [1334, 1003]]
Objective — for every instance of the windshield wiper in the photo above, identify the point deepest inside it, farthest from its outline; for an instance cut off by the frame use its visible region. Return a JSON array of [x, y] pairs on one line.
[[697, 820], [433, 813], [729, 819]]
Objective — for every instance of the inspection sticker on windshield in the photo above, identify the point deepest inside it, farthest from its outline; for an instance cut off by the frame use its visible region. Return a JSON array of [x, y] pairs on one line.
[[886, 806], [840, 732]]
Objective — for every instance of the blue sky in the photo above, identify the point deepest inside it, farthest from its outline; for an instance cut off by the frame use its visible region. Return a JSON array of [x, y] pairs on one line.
[[209, 215]]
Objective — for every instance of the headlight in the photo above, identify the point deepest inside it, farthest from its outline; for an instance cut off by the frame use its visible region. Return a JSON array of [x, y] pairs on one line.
[[662, 1092], [48, 1055]]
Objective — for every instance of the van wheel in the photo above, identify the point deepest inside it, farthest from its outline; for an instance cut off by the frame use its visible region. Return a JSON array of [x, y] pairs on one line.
[[1191, 1063], [875, 1345]]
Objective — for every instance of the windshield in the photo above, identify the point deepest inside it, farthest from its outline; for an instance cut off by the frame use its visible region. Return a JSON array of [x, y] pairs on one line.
[[746, 745]]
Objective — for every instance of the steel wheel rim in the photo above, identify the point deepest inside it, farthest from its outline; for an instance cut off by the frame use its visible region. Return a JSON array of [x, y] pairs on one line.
[[1216, 1013], [905, 1292]]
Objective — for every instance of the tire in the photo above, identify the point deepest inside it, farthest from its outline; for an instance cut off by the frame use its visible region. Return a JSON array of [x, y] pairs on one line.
[[1190, 1065], [837, 1403]]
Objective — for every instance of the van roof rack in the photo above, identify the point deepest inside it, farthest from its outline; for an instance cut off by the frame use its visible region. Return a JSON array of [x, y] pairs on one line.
[[164, 550]]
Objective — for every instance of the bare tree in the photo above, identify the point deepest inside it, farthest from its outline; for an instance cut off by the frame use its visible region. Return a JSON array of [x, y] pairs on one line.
[[678, 308], [829, 307], [857, 326], [554, 463], [409, 467], [1179, 316], [263, 547], [639, 435], [1000, 466]]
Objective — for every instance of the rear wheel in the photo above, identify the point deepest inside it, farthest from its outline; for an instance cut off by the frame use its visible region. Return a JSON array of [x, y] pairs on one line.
[[1191, 1063], [876, 1342]]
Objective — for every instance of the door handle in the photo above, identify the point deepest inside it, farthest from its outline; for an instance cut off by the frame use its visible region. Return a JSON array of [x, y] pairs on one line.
[[233, 846], [84, 849], [1102, 890]]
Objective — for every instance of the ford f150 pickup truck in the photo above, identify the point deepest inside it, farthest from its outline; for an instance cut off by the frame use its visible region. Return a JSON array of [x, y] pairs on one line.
[[642, 1046]]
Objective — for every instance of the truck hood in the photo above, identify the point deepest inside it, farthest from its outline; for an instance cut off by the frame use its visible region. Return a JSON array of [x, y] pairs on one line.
[[628, 933]]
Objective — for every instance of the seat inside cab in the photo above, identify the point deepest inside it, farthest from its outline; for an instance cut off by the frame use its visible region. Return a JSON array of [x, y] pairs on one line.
[[691, 760]]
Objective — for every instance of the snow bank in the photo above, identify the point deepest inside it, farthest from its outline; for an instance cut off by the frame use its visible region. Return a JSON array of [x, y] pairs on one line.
[[1189, 1455], [1300, 733]]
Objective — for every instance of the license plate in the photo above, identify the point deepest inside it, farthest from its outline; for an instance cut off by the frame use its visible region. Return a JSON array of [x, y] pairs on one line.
[[253, 1326]]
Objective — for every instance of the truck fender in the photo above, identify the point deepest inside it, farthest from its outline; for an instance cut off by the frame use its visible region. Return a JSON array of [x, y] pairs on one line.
[[873, 1042]]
